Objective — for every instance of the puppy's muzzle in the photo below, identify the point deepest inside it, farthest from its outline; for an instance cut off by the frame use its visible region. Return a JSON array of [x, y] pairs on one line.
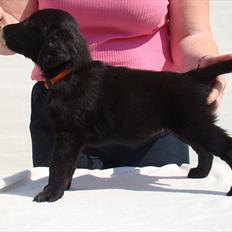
[[12, 39]]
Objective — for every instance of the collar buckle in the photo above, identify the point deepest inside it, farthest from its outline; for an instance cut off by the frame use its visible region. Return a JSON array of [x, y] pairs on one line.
[[50, 83]]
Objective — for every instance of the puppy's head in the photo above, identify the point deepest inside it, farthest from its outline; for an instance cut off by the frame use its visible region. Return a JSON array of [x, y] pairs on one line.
[[49, 37]]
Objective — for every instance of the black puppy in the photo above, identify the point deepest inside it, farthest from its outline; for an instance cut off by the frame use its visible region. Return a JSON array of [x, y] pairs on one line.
[[92, 103]]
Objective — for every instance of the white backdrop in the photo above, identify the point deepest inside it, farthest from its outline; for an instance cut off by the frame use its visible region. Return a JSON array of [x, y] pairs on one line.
[[121, 199]]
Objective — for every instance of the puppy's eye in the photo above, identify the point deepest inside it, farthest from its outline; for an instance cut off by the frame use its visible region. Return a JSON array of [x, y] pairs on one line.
[[29, 23]]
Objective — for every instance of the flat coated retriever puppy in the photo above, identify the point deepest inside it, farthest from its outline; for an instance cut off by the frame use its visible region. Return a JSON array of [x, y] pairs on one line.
[[92, 103]]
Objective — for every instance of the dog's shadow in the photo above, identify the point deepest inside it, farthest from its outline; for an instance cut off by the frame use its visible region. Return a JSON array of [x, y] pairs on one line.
[[133, 180]]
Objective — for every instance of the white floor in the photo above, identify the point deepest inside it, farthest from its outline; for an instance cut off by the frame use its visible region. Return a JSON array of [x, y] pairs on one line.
[[15, 90]]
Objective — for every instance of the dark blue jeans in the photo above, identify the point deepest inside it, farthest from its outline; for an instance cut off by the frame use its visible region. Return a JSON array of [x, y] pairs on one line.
[[166, 149]]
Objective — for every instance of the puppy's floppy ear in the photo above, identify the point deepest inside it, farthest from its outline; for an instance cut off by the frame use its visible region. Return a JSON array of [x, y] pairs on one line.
[[56, 49]]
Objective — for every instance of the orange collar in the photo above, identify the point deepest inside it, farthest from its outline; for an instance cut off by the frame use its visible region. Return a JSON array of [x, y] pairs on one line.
[[49, 83]]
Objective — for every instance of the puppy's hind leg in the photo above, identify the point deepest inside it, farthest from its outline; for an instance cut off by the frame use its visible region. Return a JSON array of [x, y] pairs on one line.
[[66, 150], [228, 159], [207, 139]]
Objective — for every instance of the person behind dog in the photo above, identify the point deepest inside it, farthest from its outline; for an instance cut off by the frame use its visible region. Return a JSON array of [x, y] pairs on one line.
[[143, 34]]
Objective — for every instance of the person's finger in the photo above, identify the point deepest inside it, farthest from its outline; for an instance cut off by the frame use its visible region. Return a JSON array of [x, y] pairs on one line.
[[208, 60], [1, 16], [213, 96], [217, 88]]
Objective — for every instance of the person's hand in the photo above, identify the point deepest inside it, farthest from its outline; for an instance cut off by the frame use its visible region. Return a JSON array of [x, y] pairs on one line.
[[218, 87], [5, 19]]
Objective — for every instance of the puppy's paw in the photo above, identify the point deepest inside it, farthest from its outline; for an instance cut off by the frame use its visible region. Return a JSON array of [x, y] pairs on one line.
[[197, 173], [48, 195]]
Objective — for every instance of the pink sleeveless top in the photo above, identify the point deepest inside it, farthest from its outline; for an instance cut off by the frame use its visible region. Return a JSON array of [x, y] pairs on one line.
[[132, 33]]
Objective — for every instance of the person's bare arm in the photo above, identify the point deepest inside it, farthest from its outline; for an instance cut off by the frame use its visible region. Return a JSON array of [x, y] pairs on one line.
[[191, 36], [192, 39], [13, 11]]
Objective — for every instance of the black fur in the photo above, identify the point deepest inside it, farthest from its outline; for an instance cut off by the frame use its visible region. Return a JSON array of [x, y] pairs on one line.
[[98, 103]]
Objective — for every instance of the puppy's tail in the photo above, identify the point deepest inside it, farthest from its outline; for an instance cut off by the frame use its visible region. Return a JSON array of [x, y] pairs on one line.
[[208, 74]]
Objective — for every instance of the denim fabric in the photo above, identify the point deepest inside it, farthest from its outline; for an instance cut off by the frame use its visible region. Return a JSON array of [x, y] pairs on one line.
[[159, 151]]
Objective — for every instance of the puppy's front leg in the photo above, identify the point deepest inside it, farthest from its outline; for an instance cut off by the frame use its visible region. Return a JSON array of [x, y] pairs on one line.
[[66, 149], [205, 161]]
